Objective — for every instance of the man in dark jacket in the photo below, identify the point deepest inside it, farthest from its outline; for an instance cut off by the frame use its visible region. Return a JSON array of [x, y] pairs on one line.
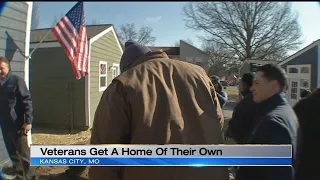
[[277, 123], [16, 117], [246, 83], [242, 122], [307, 111]]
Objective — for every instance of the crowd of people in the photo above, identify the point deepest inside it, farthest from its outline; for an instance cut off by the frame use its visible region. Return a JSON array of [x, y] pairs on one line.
[[158, 100]]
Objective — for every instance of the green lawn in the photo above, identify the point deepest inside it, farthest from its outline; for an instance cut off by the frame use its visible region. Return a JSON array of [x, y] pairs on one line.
[[233, 93]]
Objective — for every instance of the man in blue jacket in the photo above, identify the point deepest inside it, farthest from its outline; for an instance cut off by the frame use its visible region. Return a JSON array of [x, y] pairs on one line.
[[276, 124], [222, 96], [16, 116]]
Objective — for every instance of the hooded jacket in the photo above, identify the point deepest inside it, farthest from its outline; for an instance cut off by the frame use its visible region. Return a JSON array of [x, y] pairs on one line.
[[159, 101]]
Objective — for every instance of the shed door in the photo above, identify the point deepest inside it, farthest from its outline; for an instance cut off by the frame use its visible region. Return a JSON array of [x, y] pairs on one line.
[[294, 91]]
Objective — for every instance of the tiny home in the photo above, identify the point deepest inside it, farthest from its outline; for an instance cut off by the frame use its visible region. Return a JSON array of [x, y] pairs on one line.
[[252, 65], [187, 52], [59, 99], [15, 25], [303, 71]]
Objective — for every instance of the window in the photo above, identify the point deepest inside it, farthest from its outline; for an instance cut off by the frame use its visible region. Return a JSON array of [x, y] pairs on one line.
[[304, 84], [115, 70], [254, 67], [294, 90], [304, 70], [102, 75], [189, 59], [293, 70]]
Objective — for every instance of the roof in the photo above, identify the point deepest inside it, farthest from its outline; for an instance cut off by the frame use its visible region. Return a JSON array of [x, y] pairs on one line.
[[182, 41], [303, 50], [173, 51], [261, 61], [92, 30], [253, 61]]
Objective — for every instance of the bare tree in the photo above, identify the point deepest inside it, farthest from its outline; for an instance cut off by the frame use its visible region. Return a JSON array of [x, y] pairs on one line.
[[221, 62], [35, 16], [256, 30], [189, 41], [143, 35]]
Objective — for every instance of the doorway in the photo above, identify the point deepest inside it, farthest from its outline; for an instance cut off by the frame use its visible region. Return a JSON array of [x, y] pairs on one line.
[[294, 92], [298, 79]]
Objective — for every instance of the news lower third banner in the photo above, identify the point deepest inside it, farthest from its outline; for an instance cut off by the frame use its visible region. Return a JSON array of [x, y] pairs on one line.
[[161, 155]]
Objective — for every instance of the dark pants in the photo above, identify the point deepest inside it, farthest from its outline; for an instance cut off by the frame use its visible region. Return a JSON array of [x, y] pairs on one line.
[[19, 152]]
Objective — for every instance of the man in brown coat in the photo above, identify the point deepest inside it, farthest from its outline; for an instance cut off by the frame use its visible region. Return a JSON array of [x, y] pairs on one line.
[[157, 100]]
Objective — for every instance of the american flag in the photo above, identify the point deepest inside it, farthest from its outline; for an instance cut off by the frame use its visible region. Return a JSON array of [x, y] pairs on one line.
[[103, 69], [71, 34], [230, 79]]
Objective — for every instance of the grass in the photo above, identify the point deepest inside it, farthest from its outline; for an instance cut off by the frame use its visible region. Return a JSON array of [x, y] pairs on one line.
[[233, 93]]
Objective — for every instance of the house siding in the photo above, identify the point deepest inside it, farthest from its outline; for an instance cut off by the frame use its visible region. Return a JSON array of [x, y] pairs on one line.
[[245, 68], [13, 22], [104, 49], [308, 57], [58, 98], [13, 34], [189, 51]]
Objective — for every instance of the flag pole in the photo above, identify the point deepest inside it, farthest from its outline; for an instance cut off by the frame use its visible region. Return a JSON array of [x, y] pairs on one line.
[[39, 44]]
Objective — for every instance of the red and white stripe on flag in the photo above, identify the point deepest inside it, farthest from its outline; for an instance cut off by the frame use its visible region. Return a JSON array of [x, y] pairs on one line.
[[230, 79], [71, 33], [103, 69]]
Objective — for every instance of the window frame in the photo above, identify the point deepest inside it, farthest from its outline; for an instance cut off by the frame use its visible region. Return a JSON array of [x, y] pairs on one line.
[[103, 75], [115, 65]]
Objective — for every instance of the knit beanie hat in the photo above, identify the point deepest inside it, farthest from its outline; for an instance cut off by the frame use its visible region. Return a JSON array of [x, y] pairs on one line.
[[128, 43], [133, 51]]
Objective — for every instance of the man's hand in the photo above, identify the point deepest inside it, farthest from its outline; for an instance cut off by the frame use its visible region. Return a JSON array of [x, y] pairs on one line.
[[26, 128]]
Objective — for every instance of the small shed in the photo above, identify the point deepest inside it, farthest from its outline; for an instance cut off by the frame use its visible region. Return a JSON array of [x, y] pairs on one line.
[[61, 101], [186, 52], [15, 25], [252, 65], [303, 70]]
